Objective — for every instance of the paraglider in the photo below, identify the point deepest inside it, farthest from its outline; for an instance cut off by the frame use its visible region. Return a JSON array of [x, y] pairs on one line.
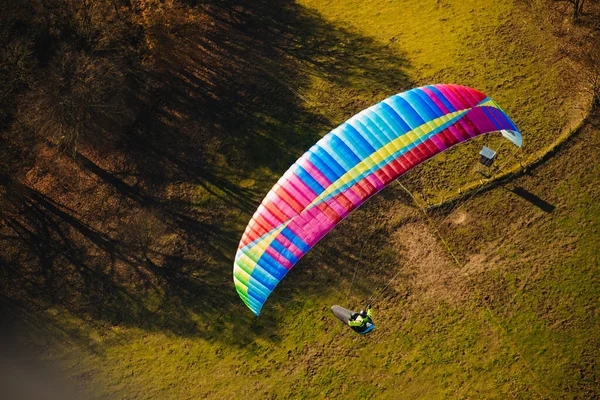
[[360, 322], [348, 166]]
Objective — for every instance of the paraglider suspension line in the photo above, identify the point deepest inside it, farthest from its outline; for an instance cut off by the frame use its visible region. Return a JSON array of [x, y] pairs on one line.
[[354, 274], [379, 292], [475, 290], [460, 203]]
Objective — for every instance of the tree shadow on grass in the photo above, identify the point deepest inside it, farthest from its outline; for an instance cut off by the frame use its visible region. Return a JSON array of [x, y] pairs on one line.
[[148, 238]]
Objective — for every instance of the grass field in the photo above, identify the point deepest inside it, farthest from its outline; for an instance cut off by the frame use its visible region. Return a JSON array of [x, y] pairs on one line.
[[518, 319], [514, 315], [495, 47]]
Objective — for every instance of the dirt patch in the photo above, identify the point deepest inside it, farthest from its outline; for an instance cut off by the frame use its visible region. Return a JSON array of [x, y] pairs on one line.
[[428, 269], [459, 218]]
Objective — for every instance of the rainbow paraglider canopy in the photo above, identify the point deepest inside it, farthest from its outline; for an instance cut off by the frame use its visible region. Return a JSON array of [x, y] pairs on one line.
[[348, 166]]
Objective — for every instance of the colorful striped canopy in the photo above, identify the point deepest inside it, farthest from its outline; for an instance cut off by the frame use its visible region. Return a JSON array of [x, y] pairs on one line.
[[347, 166]]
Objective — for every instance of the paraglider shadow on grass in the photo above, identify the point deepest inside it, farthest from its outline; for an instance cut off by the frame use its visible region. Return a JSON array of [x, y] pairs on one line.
[[221, 107]]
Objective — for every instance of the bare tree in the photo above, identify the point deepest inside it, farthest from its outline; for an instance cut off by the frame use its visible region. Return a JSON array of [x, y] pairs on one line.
[[577, 7], [78, 92], [593, 78]]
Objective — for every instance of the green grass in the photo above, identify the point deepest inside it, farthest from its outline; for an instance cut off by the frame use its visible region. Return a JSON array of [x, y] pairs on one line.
[[542, 274], [434, 337], [495, 47]]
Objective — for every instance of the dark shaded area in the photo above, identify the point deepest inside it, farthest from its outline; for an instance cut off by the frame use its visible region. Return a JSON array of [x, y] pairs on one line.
[[137, 221]]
